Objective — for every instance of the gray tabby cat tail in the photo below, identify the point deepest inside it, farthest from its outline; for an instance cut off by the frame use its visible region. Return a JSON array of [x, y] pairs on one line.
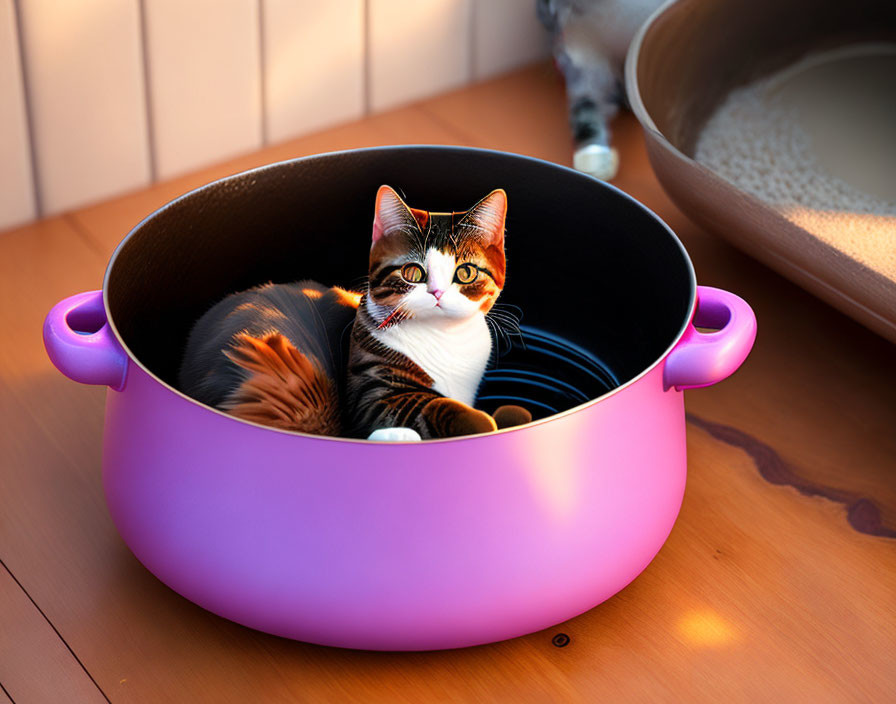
[[590, 41]]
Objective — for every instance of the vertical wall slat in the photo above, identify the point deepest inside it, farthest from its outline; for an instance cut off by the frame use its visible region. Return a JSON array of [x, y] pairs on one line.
[[84, 63], [507, 35], [417, 49], [205, 81], [88, 112], [314, 65], [17, 201]]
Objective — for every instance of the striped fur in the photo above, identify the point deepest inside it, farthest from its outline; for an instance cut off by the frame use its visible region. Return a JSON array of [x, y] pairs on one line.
[[284, 389], [387, 389], [418, 350], [274, 355]]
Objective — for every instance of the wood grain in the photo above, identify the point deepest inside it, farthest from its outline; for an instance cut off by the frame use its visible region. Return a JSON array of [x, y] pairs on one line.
[[35, 664], [503, 113], [765, 590]]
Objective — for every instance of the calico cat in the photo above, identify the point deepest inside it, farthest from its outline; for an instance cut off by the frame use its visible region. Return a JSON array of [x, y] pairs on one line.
[[407, 354], [420, 342]]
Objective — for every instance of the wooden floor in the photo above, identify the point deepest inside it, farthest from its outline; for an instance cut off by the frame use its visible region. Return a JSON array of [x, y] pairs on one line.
[[778, 583]]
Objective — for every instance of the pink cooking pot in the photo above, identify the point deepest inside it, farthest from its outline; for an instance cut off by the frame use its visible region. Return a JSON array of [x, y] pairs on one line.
[[406, 546]]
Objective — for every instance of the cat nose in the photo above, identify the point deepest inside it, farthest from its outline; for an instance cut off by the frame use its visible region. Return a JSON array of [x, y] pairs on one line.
[[437, 292]]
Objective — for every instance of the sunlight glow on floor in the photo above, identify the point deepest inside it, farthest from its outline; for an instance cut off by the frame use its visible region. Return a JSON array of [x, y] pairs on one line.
[[706, 628]]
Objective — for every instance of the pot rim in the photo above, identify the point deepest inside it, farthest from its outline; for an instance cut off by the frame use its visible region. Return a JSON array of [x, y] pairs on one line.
[[632, 90], [132, 358]]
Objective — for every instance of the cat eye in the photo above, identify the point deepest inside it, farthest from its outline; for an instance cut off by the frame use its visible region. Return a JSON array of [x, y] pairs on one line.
[[413, 273], [466, 273]]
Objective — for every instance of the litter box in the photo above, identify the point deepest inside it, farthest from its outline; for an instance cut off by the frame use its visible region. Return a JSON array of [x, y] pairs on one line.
[[826, 134]]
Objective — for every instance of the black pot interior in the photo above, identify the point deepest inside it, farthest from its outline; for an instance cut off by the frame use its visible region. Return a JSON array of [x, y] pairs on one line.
[[601, 286]]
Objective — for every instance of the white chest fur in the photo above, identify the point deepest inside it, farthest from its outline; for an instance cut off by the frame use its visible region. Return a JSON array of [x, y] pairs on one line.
[[453, 354]]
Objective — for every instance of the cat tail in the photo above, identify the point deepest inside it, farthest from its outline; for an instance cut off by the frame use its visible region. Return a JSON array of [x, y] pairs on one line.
[[283, 388]]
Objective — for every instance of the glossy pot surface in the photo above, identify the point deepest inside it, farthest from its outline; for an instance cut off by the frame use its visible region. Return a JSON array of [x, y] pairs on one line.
[[403, 546]]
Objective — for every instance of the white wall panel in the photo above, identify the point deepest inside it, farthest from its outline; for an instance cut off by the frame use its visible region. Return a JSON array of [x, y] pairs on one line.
[[17, 203], [417, 48], [507, 34], [313, 65], [84, 68], [205, 81]]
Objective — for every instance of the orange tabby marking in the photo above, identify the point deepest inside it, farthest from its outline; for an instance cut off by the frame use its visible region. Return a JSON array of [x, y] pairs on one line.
[[285, 388]]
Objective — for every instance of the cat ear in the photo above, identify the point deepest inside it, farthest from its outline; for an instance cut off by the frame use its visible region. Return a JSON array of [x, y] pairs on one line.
[[488, 217], [391, 213]]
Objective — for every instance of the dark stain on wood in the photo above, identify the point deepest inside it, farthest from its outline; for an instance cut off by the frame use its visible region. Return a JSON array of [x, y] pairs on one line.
[[861, 512], [561, 640]]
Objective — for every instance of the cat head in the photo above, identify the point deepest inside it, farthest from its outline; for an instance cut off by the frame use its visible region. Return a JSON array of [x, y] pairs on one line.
[[436, 266]]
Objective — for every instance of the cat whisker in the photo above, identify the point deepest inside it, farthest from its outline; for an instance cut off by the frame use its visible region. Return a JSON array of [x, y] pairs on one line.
[[506, 324], [500, 334], [505, 317], [509, 308]]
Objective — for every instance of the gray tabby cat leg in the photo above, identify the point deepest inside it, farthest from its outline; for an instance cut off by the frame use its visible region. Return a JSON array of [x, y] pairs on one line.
[[592, 93]]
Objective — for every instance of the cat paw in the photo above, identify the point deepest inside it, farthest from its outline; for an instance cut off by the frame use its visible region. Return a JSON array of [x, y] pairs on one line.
[[394, 435], [596, 160], [510, 416]]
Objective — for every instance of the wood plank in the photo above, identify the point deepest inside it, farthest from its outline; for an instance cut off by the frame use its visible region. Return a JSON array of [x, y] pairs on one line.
[[205, 81], [313, 65], [506, 113], [17, 201], [506, 36], [417, 49], [35, 663], [762, 591], [42, 263], [85, 78], [759, 594]]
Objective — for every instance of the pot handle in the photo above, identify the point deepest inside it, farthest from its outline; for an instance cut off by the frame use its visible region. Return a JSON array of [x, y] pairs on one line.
[[702, 359], [80, 342]]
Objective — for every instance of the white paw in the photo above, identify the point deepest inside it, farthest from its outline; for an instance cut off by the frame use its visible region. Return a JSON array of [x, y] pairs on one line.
[[596, 160], [394, 435]]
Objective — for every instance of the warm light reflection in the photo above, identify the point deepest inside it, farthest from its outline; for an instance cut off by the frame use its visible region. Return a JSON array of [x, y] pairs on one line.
[[706, 629], [349, 298], [868, 237], [554, 466], [311, 293]]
